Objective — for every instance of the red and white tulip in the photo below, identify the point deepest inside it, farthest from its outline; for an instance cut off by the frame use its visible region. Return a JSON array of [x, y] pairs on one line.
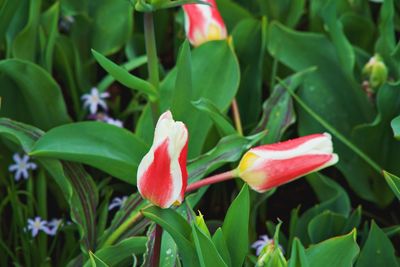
[[269, 166], [203, 23], [162, 174]]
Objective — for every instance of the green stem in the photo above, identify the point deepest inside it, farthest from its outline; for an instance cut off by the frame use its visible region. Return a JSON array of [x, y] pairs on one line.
[[330, 128], [123, 227], [236, 117], [151, 50]]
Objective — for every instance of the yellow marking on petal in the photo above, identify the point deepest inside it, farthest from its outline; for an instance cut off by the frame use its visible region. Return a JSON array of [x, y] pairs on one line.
[[248, 161], [214, 32], [176, 203]]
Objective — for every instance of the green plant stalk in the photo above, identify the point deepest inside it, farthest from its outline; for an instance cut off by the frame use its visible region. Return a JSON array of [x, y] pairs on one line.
[[152, 65], [330, 128], [124, 226], [236, 117], [41, 197]]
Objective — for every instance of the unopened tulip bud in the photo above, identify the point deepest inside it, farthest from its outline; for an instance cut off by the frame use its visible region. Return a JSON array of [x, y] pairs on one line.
[[271, 255], [269, 166], [162, 173], [376, 71], [203, 23]]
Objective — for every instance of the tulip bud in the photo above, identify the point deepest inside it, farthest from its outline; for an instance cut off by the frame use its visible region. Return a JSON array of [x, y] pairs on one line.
[[203, 23], [269, 166], [376, 71], [271, 256], [162, 174]]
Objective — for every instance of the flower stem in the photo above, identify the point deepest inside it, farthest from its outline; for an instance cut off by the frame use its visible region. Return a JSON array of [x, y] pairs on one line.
[[236, 116], [155, 258], [212, 180], [151, 50]]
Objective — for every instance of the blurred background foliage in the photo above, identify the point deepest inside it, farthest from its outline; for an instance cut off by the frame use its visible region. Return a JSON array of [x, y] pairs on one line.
[[295, 68]]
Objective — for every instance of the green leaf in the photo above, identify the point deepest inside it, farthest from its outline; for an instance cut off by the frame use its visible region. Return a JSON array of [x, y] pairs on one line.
[[115, 254], [393, 182], [249, 46], [378, 250], [395, 123], [111, 149], [178, 228], [33, 98], [237, 218], [49, 28], [24, 45], [326, 225], [220, 243], [222, 122], [298, 256], [131, 65], [183, 84], [338, 251], [278, 111], [124, 77], [95, 261], [113, 19], [343, 47], [20, 133], [215, 76], [206, 250], [7, 12]]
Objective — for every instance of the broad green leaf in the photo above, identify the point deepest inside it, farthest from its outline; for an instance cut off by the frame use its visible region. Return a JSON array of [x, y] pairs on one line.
[[332, 196], [49, 29], [343, 47], [249, 47], [111, 149], [7, 11], [215, 76], [33, 97], [376, 140], [178, 228], [298, 256], [395, 123], [232, 13], [26, 42], [286, 11], [20, 133], [344, 107], [393, 182], [180, 105], [112, 19], [378, 250], [221, 121], [326, 225], [236, 218], [338, 251], [206, 250], [124, 77], [115, 254], [220, 243]]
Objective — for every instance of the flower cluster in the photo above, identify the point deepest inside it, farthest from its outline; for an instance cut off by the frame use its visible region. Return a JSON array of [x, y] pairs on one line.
[[49, 227], [95, 100]]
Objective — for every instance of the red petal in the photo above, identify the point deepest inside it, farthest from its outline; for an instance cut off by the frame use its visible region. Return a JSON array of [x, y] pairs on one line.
[[156, 183], [290, 144], [283, 171]]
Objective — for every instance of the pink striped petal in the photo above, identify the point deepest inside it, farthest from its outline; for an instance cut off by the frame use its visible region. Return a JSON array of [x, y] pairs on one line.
[[162, 174], [272, 165], [203, 23]]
